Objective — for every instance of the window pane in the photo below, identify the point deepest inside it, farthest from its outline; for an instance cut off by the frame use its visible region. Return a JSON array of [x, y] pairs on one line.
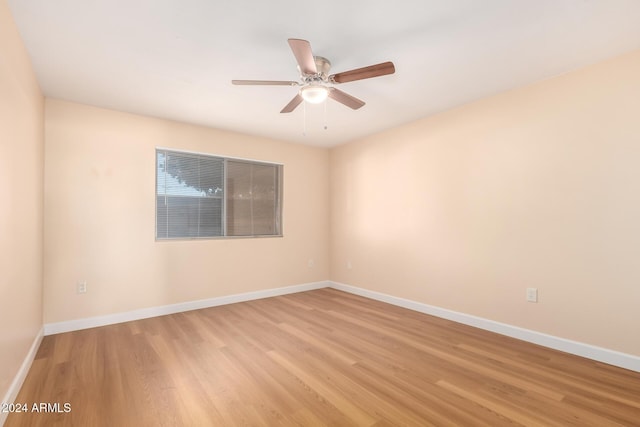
[[264, 199], [210, 217], [182, 215], [211, 176], [181, 177], [238, 199], [252, 199], [189, 191]]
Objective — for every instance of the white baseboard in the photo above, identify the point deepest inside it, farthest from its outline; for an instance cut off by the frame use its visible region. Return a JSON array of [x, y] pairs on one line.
[[600, 354], [144, 313], [588, 351], [18, 380]]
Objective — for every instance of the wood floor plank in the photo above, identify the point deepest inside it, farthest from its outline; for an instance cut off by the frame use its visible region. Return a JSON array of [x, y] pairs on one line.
[[317, 358]]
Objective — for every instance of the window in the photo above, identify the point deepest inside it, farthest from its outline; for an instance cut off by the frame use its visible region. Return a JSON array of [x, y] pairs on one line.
[[200, 196]]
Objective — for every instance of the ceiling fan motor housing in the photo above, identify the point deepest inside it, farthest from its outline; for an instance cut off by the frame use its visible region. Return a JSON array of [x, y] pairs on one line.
[[323, 65]]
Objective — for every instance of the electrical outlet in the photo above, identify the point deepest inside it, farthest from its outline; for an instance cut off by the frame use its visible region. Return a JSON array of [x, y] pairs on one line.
[[349, 266], [311, 263], [81, 287], [532, 294]]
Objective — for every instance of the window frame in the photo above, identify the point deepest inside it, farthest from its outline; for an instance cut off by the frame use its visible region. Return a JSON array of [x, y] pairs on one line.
[[278, 220]]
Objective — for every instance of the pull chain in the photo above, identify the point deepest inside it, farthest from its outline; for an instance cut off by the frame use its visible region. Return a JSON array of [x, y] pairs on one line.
[[304, 118], [325, 114]]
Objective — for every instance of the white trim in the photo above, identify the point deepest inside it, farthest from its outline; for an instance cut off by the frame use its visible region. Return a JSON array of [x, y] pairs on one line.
[[144, 313], [18, 380], [219, 156], [588, 351]]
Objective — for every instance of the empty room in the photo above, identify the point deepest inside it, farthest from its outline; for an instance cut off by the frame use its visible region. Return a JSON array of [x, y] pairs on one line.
[[354, 213]]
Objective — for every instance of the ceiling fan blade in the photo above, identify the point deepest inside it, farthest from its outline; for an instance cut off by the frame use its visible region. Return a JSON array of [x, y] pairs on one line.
[[345, 98], [364, 73], [292, 104], [304, 56], [265, 82]]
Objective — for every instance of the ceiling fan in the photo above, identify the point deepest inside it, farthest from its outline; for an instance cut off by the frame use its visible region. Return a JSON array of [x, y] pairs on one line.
[[316, 84]]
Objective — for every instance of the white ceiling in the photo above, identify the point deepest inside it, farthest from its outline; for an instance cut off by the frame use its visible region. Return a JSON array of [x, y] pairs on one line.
[[175, 59]]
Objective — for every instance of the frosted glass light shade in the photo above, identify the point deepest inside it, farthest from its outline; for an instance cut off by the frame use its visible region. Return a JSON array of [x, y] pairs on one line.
[[314, 94]]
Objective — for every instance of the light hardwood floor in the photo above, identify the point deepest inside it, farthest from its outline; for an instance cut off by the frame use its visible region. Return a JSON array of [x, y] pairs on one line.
[[317, 358]]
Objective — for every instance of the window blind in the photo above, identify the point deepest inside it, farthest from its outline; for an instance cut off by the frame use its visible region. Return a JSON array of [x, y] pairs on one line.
[[202, 196]]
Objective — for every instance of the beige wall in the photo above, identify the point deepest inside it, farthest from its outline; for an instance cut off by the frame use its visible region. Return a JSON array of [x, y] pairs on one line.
[[100, 217], [537, 187], [21, 163]]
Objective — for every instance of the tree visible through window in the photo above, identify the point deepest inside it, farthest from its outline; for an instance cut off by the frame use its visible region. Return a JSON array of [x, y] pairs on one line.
[[201, 196]]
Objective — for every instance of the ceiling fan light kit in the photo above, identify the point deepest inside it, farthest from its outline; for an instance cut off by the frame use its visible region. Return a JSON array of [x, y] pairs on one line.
[[316, 82], [314, 94]]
